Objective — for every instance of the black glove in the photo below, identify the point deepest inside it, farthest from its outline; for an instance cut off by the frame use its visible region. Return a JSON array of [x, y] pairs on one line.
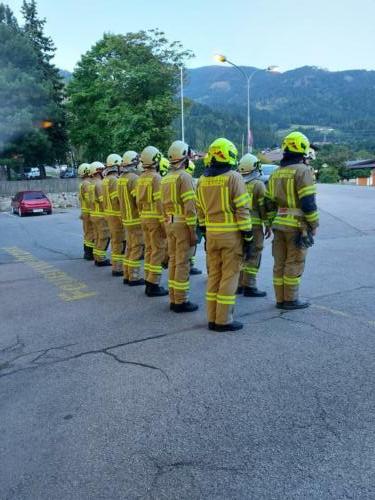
[[304, 240], [247, 238]]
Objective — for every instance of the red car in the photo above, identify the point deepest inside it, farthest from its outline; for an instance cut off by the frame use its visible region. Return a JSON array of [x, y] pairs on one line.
[[31, 202]]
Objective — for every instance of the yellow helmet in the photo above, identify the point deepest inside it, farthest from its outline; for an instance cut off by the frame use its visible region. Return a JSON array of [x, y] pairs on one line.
[[296, 142], [84, 170], [130, 158], [150, 157], [222, 151], [113, 160], [164, 166], [190, 169], [248, 164], [96, 167]]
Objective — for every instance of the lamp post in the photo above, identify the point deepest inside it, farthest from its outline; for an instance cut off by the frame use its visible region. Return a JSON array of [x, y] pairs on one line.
[[221, 58], [182, 103]]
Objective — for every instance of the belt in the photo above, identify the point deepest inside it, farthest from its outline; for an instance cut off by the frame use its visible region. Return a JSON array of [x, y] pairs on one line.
[[174, 218], [290, 211]]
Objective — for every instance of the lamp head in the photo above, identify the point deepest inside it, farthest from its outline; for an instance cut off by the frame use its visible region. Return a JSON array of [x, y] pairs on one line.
[[220, 58]]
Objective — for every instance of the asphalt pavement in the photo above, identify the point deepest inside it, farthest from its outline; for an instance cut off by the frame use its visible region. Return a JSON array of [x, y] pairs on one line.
[[106, 394]]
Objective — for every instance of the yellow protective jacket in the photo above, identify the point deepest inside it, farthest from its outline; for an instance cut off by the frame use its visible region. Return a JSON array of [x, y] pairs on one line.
[[257, 190], [223, 203], [148, 196], [290, 198], [178, 198], [126, 186], [84, 196], [96, 198], [111, 202]]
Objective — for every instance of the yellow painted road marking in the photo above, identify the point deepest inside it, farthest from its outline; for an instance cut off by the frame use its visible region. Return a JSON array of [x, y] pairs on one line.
[[69, 288]]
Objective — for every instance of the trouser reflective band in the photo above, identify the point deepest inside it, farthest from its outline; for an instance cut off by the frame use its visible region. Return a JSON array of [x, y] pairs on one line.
[[133, 253], [88, 231], [179, 252], [289, 263], [224, 255], [251, 266], [89, 244]]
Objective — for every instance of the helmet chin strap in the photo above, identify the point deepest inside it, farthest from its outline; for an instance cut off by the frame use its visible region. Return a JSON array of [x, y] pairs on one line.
[[255, 174]]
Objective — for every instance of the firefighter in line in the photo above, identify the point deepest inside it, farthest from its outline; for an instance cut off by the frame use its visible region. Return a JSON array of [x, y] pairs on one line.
[[250, 169], [100, 225], [178, 202], [224, 216], [84, 198], [126, 185], [291, 204], [194, 271], [112, 213], [148, 199]]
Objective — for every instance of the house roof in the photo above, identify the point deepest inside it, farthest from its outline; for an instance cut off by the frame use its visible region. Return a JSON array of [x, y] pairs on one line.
[[360, 164]]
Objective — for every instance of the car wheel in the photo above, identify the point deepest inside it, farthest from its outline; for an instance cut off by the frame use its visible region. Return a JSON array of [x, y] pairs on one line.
[[20, 213], [49, 212]]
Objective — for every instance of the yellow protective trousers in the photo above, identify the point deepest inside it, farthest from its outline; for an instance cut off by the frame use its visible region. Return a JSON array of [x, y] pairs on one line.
[[117, 234], [179, 252], [224, 254], [289, 264], [101, 238], [88, 231], [133, 253], [250, 267], [155, 250]]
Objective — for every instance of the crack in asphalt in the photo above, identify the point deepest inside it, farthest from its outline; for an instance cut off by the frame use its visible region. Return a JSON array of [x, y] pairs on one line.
[[40, 360], [350, 290], [323, 416]]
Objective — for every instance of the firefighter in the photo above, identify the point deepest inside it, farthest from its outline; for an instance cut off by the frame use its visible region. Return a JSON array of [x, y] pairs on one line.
[[84, 198], [178, 202], [194, 271], [250, 169], [130, 170], [291, 204], [148, 199], [97, 215], [112, 213], [224, 216]]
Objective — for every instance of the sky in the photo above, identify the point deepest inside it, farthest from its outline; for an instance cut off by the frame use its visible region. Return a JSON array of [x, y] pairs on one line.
[[331, 34]]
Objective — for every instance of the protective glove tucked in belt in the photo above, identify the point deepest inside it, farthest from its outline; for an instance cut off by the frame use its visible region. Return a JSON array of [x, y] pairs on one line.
[[247, 238]]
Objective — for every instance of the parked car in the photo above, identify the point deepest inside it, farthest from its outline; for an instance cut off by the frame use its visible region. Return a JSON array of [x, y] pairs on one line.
[[69, 173], [33, 173], [267, 170], [31, 202]]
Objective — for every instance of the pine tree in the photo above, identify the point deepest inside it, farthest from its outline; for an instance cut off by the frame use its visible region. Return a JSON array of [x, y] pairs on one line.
[[45, 49]]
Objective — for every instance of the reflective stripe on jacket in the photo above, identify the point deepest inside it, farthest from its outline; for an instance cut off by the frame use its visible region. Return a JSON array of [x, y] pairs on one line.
[[111, 203], [84, 196], [256, 190], [223, 203], [126, 186], [178, 197], [148, 196]]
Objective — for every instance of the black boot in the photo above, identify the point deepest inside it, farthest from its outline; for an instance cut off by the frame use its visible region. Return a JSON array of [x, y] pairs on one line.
[[117, 273], [230, 327], [171, 306], [86, 253], [90, 253], [249, 291], [291, 305], [155, 290], [185, 307], [125, 281], [211, 325], [139, 282], [194, 271], [103, 263], [239, 290], [280, 305]]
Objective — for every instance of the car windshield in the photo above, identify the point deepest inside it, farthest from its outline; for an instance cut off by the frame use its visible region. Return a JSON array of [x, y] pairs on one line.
[[268, 169], [38, 195]]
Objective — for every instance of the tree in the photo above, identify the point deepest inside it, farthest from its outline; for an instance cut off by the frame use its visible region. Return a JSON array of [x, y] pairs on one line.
[[45, 50], [122, 94]]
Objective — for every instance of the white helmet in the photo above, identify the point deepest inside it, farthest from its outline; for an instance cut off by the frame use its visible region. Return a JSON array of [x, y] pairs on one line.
[[248, 164], [178, 152], [311, 154], [113, 160], [96, 167], [84, 169], [130, 158], [150, 157]]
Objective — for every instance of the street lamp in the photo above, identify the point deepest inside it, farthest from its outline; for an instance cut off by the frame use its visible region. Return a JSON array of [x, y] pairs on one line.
[[271, 69]]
